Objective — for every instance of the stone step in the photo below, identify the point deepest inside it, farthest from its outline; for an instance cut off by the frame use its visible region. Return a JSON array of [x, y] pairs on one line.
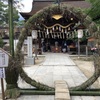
[[61, 90]]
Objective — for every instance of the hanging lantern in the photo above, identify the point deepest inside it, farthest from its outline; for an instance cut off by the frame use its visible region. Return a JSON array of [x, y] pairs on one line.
[[34, 34], [80, 33]]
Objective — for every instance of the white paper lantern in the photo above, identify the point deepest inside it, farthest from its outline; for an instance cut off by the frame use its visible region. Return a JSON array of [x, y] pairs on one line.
[[80, 33], [34, 34]]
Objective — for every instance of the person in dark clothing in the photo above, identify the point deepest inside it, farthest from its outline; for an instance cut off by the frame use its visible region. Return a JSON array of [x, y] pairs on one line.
[[43, 46], [64, 46]]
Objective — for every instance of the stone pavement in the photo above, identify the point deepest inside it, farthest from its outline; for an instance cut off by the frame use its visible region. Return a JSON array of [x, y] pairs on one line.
[[56, 66]]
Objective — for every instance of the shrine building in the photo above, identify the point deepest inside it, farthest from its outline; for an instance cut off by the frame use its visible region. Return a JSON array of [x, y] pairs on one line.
[[58, 31]]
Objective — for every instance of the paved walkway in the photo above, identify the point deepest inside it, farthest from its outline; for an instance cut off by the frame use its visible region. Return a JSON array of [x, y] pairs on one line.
[[56, 66]]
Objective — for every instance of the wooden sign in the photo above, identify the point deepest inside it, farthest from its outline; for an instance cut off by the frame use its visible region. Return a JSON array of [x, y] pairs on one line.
[[4, 57], [2, 73]]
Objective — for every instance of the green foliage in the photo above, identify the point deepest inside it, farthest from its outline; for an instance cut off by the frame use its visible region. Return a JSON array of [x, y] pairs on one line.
[[21, 23], [4, 14], [94, 11], [3, 8]]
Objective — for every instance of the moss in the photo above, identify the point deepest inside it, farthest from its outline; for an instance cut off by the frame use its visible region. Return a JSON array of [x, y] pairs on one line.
[[12, 93]]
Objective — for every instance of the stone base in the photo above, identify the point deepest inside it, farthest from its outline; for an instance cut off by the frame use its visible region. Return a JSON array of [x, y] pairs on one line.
[[61, 90], [29, 61]]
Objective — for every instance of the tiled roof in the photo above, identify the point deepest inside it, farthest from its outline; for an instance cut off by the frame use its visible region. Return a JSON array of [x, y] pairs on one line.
[[39, 4]]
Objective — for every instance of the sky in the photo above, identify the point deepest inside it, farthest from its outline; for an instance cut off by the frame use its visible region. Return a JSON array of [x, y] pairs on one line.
[[27, 5]]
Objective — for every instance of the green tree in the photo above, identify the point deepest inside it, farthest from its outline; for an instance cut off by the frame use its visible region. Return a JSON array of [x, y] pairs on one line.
[[4, 14], [11, 71], [3, 8], [94, 11], [21, 23]]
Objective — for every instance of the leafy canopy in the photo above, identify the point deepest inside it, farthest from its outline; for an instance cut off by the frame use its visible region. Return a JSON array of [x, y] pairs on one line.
[[4, 14], [94, 11]]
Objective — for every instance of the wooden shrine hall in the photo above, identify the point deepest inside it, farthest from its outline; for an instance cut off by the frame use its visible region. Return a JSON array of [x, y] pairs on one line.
[[56, 31]]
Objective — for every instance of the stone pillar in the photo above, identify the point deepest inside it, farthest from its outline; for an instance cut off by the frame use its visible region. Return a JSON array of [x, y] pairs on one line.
[[30, 59], [29, 46]]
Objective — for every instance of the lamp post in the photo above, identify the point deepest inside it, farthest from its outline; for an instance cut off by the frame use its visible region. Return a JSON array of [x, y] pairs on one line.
[[80, 35]]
